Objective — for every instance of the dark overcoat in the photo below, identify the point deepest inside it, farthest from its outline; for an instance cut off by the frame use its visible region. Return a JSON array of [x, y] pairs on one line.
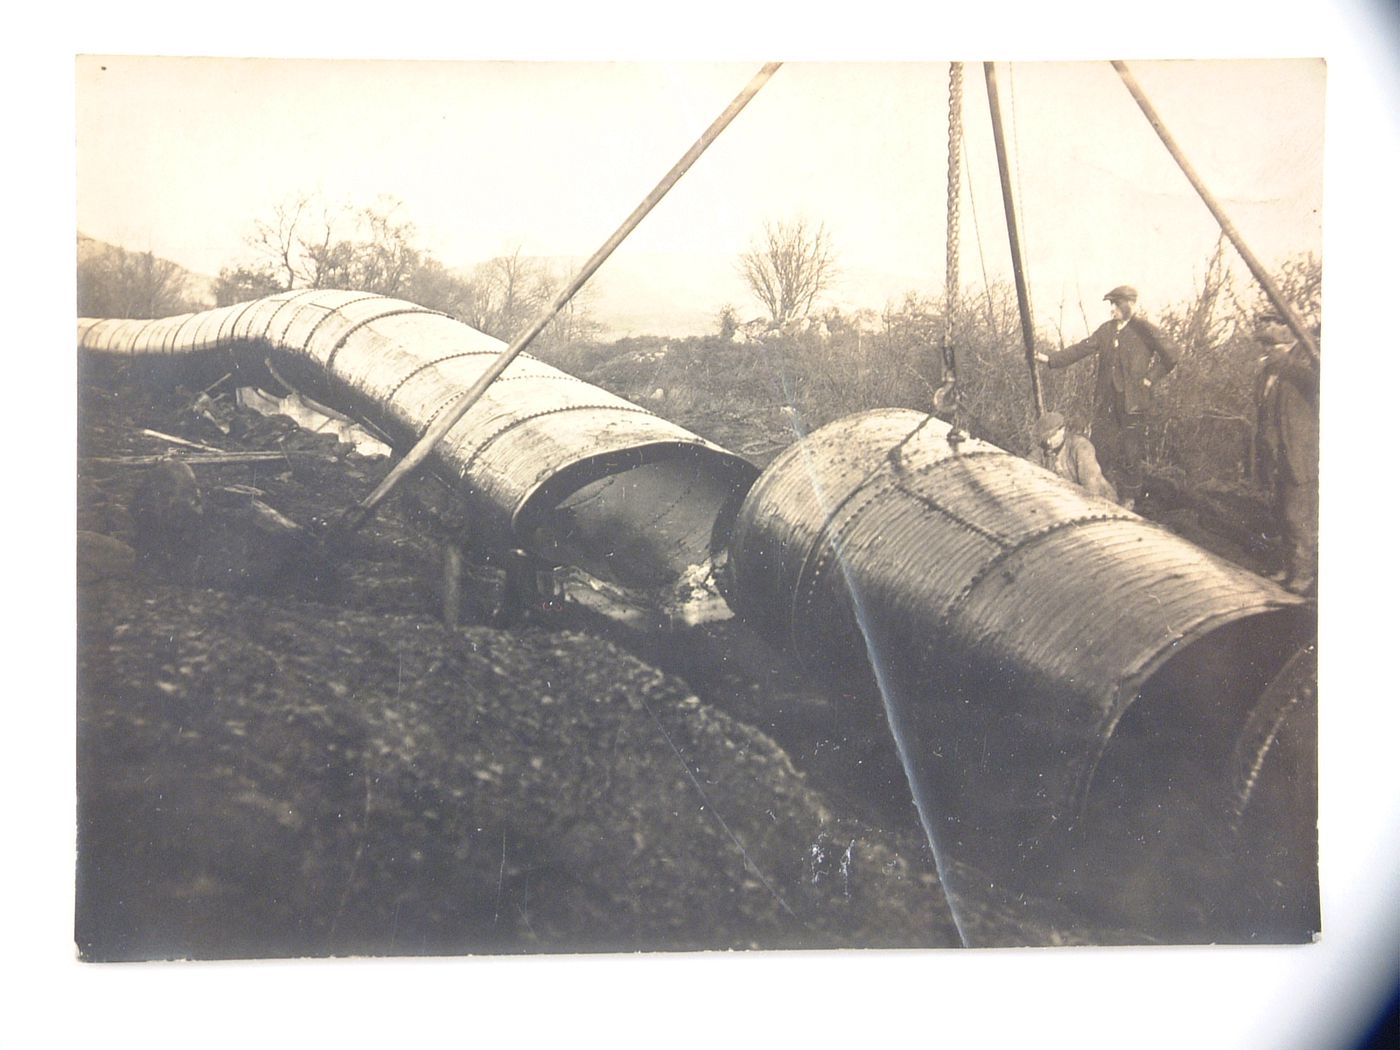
[[1288, 417], [1126, 356]]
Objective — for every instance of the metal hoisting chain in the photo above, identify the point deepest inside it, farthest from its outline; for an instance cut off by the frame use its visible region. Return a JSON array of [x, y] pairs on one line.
[[949, 390]]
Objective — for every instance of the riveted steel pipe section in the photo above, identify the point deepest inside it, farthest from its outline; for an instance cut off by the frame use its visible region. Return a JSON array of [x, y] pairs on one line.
[[547, 461], [1078, 694]]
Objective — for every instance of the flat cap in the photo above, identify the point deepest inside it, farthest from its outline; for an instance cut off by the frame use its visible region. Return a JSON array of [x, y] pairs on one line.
[[1048, 424], [1123, 291]]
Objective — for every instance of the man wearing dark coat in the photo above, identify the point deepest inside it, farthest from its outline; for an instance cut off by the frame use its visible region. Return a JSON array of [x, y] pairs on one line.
[[1132, 354], [1287, 446]]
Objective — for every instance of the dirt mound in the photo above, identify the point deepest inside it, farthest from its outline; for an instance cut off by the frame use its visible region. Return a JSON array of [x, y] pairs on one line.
[[284, 779], [303, 760]]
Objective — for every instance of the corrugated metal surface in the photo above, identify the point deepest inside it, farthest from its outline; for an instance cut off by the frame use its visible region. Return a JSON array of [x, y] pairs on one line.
[[1011, 621], [535, 438], [1078, 694]]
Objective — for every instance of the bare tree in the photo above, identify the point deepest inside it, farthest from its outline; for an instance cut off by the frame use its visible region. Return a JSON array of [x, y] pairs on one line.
[[508, 292], [307, 244], [323, 260], [433, 285], [382, 259], [789, 268], [1200, 325], [278, 244]]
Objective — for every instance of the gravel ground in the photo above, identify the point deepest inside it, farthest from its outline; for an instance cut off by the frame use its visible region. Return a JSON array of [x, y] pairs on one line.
[[283, 753]]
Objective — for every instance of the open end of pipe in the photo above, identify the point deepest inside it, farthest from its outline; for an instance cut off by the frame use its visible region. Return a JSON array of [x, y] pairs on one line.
[[1201, 820], [640, 518]]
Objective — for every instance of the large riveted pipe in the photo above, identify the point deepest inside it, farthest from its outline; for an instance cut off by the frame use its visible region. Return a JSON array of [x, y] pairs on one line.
[[1078, 694], [546, 461]]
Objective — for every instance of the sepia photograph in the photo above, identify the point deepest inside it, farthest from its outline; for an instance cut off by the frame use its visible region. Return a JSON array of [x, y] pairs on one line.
[[821, 565], [538, 511]]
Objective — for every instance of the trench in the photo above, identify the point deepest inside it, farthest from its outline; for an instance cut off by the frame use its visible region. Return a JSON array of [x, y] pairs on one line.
[[973, 584], [835, 730]]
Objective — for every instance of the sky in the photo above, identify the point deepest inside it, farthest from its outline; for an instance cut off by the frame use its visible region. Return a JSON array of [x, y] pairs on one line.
[[178, 156], [1245, 997]]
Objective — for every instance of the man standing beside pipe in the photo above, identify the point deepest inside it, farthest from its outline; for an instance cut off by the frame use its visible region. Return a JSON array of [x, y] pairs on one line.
[[1132, 355], [1287, 446]]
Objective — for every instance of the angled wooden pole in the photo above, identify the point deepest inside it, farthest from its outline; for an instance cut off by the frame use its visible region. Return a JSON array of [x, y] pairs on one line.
[[360, 513], [1282, 305], [1017, 267]]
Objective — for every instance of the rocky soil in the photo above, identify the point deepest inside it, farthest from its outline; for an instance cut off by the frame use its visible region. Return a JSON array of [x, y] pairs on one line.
[[283, 751]]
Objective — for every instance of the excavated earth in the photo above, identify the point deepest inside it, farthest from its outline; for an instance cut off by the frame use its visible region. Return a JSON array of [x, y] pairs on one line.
[[283, 751]]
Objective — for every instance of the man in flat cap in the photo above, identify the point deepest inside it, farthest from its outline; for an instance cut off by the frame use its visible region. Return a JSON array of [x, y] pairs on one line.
[[1132, 355], [1072, 456], [1287, 445]]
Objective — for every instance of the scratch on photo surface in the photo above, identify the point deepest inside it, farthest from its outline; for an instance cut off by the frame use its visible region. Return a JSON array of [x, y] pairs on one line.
[[500, 879], [363, 835], [710, 807]]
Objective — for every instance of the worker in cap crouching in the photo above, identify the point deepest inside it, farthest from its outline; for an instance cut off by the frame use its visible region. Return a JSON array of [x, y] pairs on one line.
[[1072, 456], [1286, 445], [1132, 356]]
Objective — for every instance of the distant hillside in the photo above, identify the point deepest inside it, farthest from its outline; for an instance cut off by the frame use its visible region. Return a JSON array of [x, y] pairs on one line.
[[198, 287]]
